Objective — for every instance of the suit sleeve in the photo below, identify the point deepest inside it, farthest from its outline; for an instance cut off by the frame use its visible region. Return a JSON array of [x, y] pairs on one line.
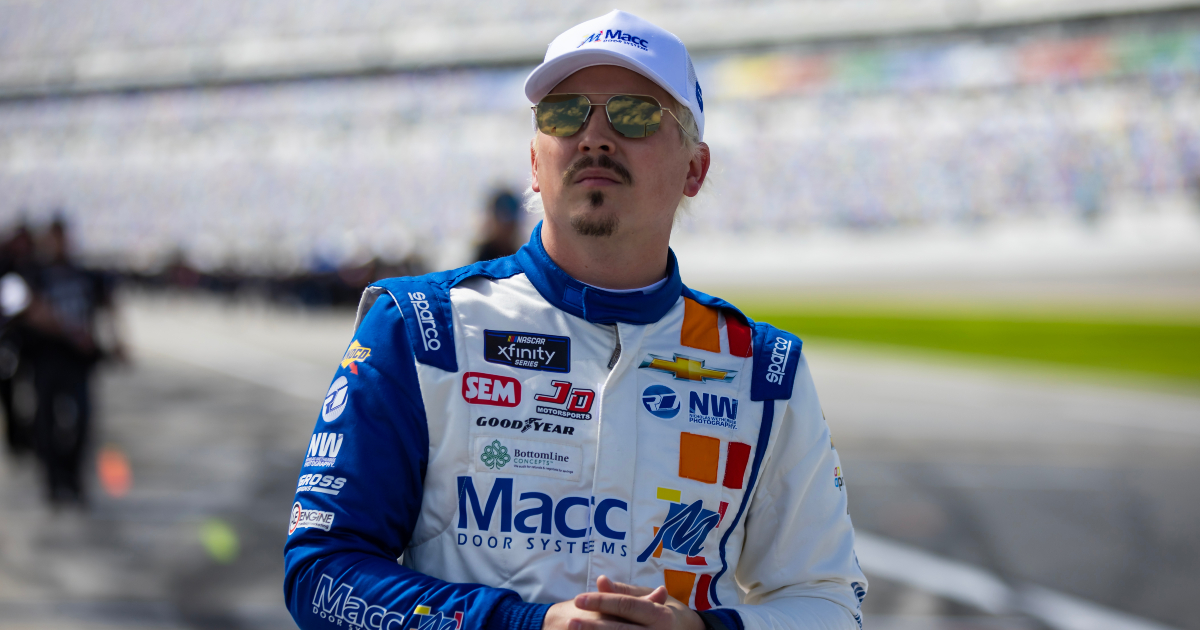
[[358, 498], [798, 566]]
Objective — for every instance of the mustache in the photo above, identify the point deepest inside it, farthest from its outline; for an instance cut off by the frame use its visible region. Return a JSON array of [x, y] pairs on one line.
[[604, 161]]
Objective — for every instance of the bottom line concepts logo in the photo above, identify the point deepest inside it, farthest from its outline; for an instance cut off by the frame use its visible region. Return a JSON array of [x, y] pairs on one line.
[[495, 455], [334, 602]]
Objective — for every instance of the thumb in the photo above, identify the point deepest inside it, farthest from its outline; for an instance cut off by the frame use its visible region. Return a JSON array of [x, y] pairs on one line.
[[658, 595]]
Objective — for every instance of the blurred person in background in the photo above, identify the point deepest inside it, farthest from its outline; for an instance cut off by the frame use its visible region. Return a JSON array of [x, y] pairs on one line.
[[65, 344], [432, 496], [18, 272], [502, 228]]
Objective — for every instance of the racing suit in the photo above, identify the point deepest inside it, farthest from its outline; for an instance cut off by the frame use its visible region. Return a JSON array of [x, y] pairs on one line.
[[498, 436]]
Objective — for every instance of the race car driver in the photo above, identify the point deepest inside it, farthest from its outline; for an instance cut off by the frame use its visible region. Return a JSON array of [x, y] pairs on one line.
[[570, 437]]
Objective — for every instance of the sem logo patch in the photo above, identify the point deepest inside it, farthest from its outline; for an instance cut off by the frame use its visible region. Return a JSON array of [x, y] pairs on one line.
[[335, 400], [490, 389], [494, 455], [661, 401], [687, 369], [699, 97], [528, 351], [355, 354]]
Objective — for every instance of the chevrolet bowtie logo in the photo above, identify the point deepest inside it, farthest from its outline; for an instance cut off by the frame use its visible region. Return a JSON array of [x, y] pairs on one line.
[[687, 369]]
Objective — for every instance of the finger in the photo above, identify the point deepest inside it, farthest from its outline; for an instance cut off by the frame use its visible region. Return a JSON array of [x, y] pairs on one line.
[[633, 609], [595, 624], [604, 585], [658, 595], [624, 589]]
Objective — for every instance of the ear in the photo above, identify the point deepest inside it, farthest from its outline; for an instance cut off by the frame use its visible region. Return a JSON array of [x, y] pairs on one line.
[[533, 179], [697, 170]]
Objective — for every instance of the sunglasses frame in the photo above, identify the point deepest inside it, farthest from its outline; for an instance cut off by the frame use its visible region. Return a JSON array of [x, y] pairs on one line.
[[604, 104]]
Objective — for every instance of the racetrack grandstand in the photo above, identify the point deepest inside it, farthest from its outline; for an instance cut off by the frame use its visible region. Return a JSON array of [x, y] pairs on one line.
[[915, 126]]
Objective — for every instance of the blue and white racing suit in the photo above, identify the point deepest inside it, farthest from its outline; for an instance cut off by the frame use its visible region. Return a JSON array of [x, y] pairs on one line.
[[498, 436]]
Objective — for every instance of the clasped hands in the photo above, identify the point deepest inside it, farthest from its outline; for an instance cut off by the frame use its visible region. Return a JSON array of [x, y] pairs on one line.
[[617, 606]]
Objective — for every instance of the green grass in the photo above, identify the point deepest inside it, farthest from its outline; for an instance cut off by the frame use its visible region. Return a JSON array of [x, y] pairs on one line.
[[1168, 348]]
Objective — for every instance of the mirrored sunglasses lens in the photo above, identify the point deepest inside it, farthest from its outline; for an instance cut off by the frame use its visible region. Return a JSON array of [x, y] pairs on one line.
[[634, 116], [562, 114]]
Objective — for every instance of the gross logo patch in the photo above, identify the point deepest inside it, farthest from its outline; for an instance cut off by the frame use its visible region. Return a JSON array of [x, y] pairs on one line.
[[528, 351], [335, 400], [661, 401], [316, 482], [490, 389]]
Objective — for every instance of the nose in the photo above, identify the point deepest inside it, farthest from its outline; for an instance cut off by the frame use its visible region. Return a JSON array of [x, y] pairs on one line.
[[597, 133]]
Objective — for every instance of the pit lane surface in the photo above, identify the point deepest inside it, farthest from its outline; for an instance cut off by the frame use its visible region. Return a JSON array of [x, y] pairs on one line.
[[1090, 490]]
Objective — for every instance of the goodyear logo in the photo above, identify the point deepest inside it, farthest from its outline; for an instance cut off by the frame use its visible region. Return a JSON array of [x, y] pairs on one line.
[[356, 353], [607, 35]]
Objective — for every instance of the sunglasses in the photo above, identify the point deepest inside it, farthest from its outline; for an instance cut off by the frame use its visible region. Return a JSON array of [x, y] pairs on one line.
[[632, 115]]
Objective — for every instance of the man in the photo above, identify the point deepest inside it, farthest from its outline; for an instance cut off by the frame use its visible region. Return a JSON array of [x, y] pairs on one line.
[[509, 445], [61, 320]]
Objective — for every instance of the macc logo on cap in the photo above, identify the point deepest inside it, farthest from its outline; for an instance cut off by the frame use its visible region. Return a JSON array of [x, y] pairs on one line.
[[609, 35], [627, 41]]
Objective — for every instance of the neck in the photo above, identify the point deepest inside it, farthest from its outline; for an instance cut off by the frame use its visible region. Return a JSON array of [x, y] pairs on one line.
[[620, 261]]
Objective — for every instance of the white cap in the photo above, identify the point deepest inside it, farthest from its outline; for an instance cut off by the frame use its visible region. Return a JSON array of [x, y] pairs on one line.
[[626, 40]]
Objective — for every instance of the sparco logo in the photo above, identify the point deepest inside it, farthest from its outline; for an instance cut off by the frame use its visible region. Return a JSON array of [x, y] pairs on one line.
[[489, 389], [605, 35], [779, 357], [323, 449], [529, 351], [425, 320], [523, 426], [578, 402], [334, 602]]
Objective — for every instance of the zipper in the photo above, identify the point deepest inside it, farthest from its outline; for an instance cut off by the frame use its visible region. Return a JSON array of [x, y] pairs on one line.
[[616, 355]]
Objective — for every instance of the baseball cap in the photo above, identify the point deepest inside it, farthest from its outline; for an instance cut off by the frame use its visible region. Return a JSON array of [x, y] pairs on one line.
[[625, 40]]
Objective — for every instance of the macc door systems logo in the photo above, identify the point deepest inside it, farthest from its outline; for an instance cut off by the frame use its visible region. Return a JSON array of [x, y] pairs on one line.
[[608, 35]]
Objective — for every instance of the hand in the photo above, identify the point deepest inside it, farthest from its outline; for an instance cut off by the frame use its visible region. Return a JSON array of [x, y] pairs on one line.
[[620, 606]]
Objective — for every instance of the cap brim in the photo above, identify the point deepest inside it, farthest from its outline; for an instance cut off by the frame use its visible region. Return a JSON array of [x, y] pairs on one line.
[[549, 74]]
